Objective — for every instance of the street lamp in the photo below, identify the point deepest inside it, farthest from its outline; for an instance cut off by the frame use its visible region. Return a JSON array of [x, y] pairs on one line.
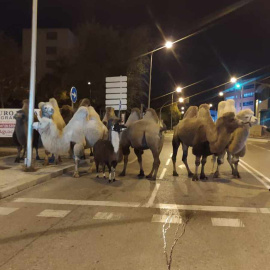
[[211, 105], [178, 89], [220, 94], [181, 100], [89, 83], [168, 45], [182, 108], [233, 80]]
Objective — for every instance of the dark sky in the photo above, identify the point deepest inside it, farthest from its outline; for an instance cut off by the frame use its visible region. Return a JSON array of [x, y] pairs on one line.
[[236, 43]]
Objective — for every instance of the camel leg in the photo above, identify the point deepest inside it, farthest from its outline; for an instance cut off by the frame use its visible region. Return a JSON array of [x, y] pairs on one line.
[[202, 176], [91, 151], [184, 159], [235, 161], [197, 164], [78, 150], [46, 159], [139, 156], [60, 159], [19, 149], [110, 172], [175, 145], [97, 168], [23, 155], [214, 160], [126, 152], [103, 170], [37, 155], [220, 161], [229, 159], [155, 166]]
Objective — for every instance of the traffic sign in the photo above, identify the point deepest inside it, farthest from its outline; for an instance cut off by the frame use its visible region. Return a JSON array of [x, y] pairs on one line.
[[116, 96], [115, 102], [116, 84], [116, 79], [73, 94], [115, 90]]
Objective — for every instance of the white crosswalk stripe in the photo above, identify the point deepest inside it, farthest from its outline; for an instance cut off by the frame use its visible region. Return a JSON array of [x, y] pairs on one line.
[[53, 213], [108, 216], [4, 211], [227, 222]]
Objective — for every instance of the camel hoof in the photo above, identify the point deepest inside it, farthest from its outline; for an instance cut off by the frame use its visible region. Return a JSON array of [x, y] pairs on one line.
[[109, 181], [195, 177], [141, 175], [122, 174], [203, 177], [17, 160], [175, 173], [216, 175], [76, 175], [149, 176], [114, 180], [104, 177], [190, 174], [97, 176], [152, 178]]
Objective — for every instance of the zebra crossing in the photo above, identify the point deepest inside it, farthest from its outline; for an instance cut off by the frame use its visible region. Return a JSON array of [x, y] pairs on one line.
[[172, 217]]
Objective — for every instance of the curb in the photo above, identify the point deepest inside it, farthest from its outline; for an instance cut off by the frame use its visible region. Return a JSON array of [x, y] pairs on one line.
[[33, 179]]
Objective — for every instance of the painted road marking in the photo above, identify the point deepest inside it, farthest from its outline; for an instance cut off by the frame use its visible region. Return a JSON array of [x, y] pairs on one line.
[[182, 166], [108, 216], [162, 174], [153, 196], [170, 219], [168, 162], [4, 211], [53, 213], [227, 222], [259, 147], [241, 163], [206, 208], [258, 140]]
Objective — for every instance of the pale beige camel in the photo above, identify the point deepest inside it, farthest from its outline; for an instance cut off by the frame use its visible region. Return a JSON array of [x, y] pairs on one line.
[[237, 145], [204, 137], [141, 135]]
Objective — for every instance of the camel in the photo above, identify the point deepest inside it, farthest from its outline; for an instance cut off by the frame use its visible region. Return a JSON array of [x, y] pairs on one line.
[[143, 134], [202, 113], [84, 129], [204, 137], [20, 132], [237, 144], [110, 114]]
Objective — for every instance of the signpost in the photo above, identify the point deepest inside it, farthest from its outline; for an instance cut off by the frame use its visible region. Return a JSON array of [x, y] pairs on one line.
[[116, 92], [73, 95]]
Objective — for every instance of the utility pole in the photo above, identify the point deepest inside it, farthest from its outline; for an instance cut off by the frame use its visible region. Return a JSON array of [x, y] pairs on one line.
[[28, 161]]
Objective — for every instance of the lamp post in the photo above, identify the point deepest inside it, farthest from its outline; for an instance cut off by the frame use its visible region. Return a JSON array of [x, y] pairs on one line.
[[178, 90], [238, 86], [89, 83], [168, 45], [28, 160]]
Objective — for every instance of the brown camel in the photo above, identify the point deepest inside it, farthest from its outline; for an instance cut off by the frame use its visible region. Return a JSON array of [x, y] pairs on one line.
[[141, 135], [204, 136]]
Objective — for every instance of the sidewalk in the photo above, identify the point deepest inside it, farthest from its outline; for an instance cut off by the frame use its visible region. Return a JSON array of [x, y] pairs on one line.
[[13, 179]]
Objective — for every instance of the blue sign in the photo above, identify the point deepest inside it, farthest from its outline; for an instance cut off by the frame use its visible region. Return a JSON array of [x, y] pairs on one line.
[[73, 94]]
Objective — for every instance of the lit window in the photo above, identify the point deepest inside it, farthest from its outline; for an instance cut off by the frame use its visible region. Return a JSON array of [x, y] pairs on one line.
[[230, 97], [52, 35], [248, 103], [251, 94]]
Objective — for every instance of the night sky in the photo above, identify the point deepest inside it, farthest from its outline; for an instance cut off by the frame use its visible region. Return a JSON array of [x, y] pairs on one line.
[[234, 44]]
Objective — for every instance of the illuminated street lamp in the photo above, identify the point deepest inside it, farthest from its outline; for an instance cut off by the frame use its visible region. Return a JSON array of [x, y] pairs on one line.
[[182, 108], [89, 83], [182, 112], [211, 105], [168, 45], [233, 79], [181, 100], [220, 94], [179, 89]]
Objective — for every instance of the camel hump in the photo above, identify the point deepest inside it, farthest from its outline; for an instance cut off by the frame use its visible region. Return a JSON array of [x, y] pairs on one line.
[[134, 116], [191, 112], [226, 106], [204, 111], [151, 115]]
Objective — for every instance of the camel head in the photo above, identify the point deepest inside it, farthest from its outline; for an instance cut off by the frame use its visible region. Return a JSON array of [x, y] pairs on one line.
[[20, 116], [229, 121], [46, 108], [247, 116], [42, 126]]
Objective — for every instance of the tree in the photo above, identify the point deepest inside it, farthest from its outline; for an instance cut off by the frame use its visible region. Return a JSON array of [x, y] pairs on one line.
[[12, 77]]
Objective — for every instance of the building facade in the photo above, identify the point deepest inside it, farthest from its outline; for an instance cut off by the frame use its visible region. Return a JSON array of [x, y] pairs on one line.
[[243, 93], [51, 44]]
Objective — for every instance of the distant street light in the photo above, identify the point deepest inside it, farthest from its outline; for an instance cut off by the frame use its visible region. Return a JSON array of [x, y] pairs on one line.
[[182, 112], [88, 83], [178, 89], [168, 45], [220, 94], [182, 108], [233, 79], [181, 100], [211, 105]]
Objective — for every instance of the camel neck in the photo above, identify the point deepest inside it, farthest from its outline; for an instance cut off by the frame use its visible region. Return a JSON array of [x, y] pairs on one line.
[[223, 138], [115, 140]]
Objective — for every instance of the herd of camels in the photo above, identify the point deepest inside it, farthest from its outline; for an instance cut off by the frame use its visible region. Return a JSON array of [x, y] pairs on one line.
[[64, 131]]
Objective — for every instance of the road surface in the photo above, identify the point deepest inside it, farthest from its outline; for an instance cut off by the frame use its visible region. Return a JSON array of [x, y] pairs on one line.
[[87, 223]]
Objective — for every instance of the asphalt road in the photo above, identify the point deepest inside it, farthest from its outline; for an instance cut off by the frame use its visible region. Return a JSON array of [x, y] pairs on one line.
[[87, 223]]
